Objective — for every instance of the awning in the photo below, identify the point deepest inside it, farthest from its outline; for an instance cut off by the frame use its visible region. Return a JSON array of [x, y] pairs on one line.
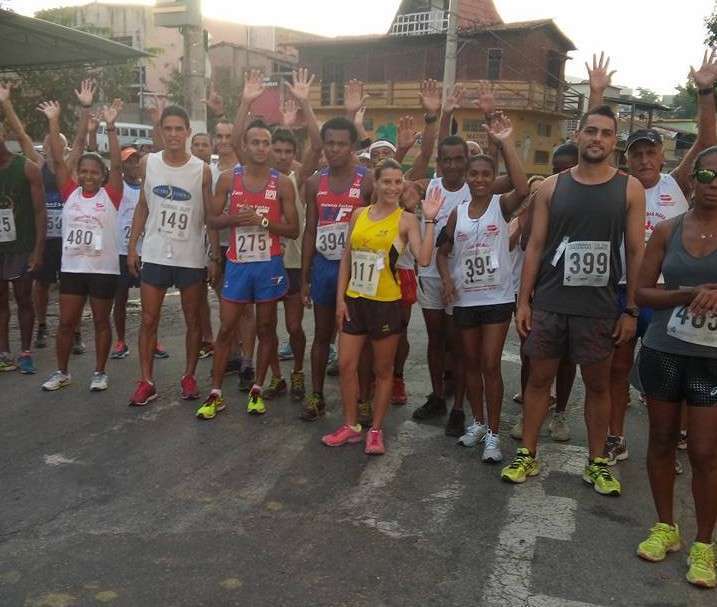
[[33, 44]]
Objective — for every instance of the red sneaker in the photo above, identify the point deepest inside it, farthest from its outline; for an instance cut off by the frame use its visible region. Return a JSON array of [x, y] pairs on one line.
[[143, 395], [399, 391], [374, 442], [190, 390], [345, 434]]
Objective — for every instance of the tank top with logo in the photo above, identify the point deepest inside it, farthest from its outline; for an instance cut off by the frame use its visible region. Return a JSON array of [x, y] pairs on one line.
[[17, 215]]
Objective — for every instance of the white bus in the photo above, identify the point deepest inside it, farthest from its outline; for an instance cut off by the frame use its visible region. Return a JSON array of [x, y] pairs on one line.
[[129, 133]]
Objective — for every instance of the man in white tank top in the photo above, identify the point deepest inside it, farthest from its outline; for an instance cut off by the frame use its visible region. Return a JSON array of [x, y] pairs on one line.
[[171, 214]]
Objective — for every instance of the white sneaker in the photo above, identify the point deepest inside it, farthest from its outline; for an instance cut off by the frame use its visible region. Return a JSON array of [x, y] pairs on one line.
[[475, 433], [57, 380], [491, 451], [99, 382]]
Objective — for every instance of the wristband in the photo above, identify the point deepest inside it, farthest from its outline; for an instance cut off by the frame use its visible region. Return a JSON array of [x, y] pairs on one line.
[[87, 107], [709, 91], [430, 118], [111, 129], [429, 221]]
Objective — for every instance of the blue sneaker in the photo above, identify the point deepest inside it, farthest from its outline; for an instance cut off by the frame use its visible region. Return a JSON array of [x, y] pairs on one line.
[[24, 361], [285, 352]]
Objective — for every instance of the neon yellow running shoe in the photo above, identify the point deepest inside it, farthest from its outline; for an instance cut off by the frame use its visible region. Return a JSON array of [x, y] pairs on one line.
[[702, 565], [597, 473], [663, 538], [210, 407], [256, 403], [522, 466]]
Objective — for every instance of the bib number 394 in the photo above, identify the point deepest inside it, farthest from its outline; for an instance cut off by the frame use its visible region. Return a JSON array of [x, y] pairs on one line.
[[587, 264], [7, 226], [365, 272], [700, 329], [252, 244], [480, 267], [175, 219], [331, 240]]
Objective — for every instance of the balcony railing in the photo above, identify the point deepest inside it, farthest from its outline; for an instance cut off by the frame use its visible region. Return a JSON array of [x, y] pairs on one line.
[[419, 24]]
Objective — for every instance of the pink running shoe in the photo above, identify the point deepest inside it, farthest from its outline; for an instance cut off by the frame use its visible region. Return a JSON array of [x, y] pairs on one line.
[[345, 434], [374, 442], [143, 395], [190, 390]]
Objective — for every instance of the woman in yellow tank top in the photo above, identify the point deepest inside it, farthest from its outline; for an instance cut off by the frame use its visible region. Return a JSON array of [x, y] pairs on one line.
[[369, 296]]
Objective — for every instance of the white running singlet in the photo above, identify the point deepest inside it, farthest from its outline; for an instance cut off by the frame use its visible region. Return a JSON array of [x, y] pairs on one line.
[[125, 214]]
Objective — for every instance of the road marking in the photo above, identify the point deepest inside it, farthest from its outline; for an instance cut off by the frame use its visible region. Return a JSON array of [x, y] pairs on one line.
[[533, 514], [57, 459]]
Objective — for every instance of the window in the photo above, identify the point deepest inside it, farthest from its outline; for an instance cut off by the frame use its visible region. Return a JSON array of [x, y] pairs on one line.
[[101, 130], [332, 73], [133, 133], [541, 157], [544, 130], [472, 125], [124, 131], [554, 67], [495, 60]]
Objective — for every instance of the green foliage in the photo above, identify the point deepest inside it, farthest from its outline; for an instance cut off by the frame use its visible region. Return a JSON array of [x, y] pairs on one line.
[[711, 24], [175, 87], [685, 101], [648, 95]]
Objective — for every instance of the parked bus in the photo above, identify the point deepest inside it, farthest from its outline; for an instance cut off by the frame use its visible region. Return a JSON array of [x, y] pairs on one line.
[[127, 132]]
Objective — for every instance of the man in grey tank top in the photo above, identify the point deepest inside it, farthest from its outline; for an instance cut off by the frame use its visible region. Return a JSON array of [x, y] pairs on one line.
[[571, 272]]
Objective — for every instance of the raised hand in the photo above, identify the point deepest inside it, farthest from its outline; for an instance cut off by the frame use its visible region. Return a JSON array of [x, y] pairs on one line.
[[706, 76], [86, 94], [289, 113], [359, 117], [500, 129], [51, 109], [431, 96], [300, 85], [353, 96], [407, 134], [599, 76], [110, 113], [93, 123], [485, 101], [5, 89], [455, 99], [214, 102], [253, 85], [156, 109], [433, 203]]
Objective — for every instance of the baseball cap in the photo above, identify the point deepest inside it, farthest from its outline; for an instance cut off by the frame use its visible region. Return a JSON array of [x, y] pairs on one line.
[[650, 135], [127, 153]]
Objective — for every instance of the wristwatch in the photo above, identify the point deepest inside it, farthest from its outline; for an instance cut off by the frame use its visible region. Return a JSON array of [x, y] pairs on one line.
[[709, 91], [633, 311], [264, 223]]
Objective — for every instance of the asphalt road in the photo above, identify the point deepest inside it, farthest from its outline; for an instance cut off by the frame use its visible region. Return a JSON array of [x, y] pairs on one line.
[[101, 504]]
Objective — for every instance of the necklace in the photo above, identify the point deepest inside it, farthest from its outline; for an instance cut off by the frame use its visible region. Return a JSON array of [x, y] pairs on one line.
[[704, 236]]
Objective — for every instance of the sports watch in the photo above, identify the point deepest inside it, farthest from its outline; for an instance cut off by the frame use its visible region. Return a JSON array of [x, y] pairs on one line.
[[264, 223], [633, 311]]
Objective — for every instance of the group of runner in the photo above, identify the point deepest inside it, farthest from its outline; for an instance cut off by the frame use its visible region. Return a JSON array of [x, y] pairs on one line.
[[348, 233]]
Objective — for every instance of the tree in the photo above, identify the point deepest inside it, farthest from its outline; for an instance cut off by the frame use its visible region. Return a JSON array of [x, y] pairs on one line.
[[648, 95], [711, 24], [684, 103]]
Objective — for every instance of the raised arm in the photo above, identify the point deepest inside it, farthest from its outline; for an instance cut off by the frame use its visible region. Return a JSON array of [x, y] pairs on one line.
[[155, 115], [354, 98], [52, 111], [37, 194], [85, 96], [599, 78], [500, 133], [432, 103], [300, 88], [16, 126], [450, 105], [92, 126], [253, 88], [422, 249], [442, 262]]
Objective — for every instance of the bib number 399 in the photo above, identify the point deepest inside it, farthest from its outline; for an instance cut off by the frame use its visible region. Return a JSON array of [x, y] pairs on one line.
[[587, 264], [480, 267], [700, 329]]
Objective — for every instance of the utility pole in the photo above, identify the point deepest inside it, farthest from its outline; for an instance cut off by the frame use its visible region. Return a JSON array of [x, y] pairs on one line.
[[449, 67]]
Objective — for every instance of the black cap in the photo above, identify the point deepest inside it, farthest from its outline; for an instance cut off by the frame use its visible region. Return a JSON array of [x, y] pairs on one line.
[[650, 135]]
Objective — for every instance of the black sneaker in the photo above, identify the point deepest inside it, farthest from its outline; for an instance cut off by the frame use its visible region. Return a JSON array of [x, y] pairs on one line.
[[41, 339], [433, 407], [233, 366], [456, 425], [246, 379]]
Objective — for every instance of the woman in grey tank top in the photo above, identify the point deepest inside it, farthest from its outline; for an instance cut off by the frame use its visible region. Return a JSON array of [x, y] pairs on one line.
[[678, 362]]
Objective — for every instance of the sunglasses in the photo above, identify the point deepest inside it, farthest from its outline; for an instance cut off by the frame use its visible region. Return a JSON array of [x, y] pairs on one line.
[[705, 175]]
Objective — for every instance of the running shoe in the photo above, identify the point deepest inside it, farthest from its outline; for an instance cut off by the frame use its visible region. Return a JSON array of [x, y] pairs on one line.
[[285, 351], [25, 363], [345, 434], [206, 350], [663, 538], [298, 390], [210, 407], [277, 387], [41, 337], [255, 406], [516, 431], [374, 442], [332, 366], [522, 466], [399, 396], [121, 350], [433, 407], [99, 382], [456, 425], [518, 398], [233, 366], [682, 443], [701, 563], [78, 346], [559, 428], [7, 363], [491, 451], [143, 395], [160, 352], [616, 449], [365, 413], [473, 434], [56, 381], [190, 390], [597, 473], [314, 408], [246, 379]]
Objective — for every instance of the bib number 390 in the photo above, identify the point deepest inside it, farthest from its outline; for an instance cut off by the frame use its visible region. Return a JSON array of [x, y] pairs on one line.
[[587, 264], [480, 267], [700, 329], [7, 226], [365, 272]]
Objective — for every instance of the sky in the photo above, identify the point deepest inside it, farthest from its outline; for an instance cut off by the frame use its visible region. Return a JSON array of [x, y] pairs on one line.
[[652, 43]]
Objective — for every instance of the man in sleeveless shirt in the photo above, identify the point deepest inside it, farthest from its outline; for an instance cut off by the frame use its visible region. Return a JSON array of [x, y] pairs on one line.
[[572, 269], [173, 204]]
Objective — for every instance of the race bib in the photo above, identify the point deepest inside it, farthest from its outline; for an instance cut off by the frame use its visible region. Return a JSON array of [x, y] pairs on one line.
[[83, 239], [126, 232], [331, 240], [253, 243], [7, 225], [587, 263], [480, 266], [54, 223], [698, 329], [365, 272], [175, 219]]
